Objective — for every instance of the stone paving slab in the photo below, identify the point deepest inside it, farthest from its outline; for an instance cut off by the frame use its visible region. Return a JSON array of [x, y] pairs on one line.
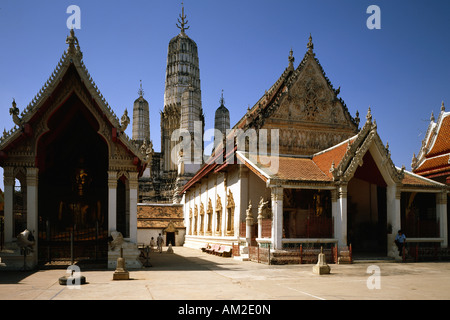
[[190, 274]]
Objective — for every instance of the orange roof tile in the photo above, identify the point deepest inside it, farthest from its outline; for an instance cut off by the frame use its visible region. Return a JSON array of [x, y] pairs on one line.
[[289, 168], [442, 143], [324, 159], [434, 163], [414, 180]]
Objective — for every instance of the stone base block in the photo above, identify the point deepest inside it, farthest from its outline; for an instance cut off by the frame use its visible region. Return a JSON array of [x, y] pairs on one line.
[[321, 269], [121, 275]]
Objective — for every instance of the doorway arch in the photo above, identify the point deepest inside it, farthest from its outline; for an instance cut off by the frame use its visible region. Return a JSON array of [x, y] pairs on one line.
[[72, 158]]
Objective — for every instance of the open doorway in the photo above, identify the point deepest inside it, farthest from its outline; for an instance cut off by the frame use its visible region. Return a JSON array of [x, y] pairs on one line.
[[367, 210], [170, 238]]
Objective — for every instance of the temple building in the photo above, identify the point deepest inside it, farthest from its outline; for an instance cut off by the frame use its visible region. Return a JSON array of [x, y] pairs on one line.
[[316, 178], [76, 169], [432, 162], [297, 168]]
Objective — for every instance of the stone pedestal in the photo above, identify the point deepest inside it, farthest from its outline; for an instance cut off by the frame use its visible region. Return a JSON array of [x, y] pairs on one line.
[[130, 255], [121, 272], [321, 267]]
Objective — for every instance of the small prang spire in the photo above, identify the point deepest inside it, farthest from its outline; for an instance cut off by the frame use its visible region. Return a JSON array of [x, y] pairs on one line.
[[183, 21]]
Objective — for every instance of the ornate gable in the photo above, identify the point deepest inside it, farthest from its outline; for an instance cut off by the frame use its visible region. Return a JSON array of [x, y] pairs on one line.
[[304, 106]]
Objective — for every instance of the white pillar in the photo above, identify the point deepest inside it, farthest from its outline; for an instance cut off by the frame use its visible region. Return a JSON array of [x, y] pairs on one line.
[[393, 196], [8, 181], [441, 215], [335, 213], [112, 201], [341, 213], [249, 226], [134, 185], [32, 208], [277, 217], [242, 201], [32, 201]]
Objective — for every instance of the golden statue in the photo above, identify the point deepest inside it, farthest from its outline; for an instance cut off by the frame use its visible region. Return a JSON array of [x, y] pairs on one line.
[[81, 210]]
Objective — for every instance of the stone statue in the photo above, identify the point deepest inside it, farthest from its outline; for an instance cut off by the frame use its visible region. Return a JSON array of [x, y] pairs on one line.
[[124, 121], [249, 209], [25, 240], [262, 205], [14, 112], [117, 240]]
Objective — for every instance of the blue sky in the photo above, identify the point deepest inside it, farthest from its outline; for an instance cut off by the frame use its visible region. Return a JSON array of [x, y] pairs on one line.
[[402, 71]]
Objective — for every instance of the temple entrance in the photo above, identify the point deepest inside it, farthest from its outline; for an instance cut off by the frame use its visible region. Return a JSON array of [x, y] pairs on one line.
[[367, 210], [73, 191], [170, 238]]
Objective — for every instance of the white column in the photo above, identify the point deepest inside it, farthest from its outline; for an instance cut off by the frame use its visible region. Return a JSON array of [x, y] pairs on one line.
[[32, 208], [335, 213], [8, 181], [249, 226], [241, 201], [32, 201], [341, 216], [134, 185], [393, 196], [441, 215], [112, 201], [277, 217]]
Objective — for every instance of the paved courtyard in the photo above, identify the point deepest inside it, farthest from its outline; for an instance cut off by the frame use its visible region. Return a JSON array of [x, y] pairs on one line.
[[190, 274]]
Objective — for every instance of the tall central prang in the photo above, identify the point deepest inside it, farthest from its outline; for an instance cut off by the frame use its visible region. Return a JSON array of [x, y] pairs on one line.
[[182, 100]]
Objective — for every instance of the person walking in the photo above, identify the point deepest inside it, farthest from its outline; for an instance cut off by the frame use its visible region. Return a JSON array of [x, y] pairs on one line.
[[400, 241], [159, 242]]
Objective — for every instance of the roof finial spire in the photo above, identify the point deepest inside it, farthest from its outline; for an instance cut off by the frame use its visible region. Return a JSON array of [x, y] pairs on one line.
[[310, 44], [291, 59], [141, 91], [183, 22], [222, 100]]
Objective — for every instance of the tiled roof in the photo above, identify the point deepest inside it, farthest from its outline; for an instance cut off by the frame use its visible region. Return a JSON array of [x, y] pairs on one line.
[[334, 154], [433, 157], [292, 168], [412, 179], [442, 143], [434, 165]]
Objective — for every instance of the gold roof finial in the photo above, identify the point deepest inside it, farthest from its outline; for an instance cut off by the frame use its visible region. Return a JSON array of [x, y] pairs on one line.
[[183, 22]]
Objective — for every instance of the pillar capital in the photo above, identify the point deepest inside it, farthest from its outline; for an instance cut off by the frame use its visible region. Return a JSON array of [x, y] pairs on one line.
[[32, 177], [342, 191], [441, 198], [133, 181], [112, 179], [8, 176], [276, 193]]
